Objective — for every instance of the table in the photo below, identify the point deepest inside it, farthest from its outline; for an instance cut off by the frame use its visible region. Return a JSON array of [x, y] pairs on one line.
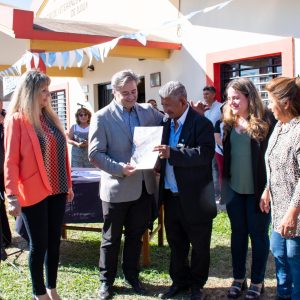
[[86, 208]]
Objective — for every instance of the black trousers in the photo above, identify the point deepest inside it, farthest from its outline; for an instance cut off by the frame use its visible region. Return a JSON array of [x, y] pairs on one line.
[[6, 232], [1, 241], [43, 222], [135, 217], [180, 235]]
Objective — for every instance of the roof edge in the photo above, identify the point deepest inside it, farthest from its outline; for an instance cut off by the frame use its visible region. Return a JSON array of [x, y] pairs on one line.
[[21, 23]]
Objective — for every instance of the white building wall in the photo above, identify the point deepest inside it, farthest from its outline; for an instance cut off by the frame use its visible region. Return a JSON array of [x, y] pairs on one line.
[[141, 14], [297, 56], [240, 23]]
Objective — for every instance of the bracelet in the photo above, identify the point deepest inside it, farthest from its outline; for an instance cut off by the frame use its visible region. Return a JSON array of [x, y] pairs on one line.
[[12, 198]]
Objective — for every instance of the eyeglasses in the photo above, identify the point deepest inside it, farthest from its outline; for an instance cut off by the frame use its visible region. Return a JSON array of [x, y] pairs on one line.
[[82, 115]]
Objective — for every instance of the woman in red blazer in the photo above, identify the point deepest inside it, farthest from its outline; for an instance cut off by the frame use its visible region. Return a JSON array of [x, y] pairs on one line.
[[37, 176]]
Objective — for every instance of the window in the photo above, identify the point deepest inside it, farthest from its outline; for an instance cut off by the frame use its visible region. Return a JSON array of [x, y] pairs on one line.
[[282, 49], [260, 71], [58, 102]]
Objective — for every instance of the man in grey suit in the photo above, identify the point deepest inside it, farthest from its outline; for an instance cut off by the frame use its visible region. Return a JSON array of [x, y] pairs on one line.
[[126, 193]]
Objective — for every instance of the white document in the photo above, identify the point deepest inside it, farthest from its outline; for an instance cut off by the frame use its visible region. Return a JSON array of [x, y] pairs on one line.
[[144, 140]]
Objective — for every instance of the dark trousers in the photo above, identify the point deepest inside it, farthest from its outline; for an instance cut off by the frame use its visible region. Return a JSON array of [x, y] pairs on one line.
[[1, 240], [43, 222], [6, 232], [246, 220], [180, 235], [215, 173], [134, 216]]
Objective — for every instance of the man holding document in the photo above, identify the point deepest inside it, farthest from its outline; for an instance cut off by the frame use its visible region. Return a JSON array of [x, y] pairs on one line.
[[126, 190], [186, 189]]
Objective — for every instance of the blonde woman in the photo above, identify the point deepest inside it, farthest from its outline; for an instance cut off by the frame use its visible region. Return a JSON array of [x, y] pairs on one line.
[[246, 132], [37, 176]]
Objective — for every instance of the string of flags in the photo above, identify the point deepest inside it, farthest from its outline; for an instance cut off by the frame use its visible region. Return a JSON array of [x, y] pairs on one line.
[[98, 52]]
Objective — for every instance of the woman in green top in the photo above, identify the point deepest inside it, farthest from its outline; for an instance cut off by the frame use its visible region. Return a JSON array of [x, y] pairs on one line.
[[246, 132]]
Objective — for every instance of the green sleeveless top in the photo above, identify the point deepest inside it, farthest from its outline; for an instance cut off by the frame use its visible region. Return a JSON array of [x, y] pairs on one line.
[[241, 180]]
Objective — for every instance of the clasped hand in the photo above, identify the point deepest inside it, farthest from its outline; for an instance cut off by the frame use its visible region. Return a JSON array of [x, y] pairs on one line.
[[163, 151]]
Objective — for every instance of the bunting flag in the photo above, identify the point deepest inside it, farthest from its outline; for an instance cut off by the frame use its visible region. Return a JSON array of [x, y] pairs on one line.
[[99, 52]]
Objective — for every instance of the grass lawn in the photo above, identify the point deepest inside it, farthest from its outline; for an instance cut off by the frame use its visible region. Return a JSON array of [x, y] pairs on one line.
[[79, 276]]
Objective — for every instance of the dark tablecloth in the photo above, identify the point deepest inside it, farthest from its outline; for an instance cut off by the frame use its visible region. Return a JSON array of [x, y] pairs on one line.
[[86, 206]]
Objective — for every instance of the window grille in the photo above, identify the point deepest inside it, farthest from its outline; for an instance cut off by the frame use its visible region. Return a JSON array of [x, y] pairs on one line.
[[260, 71], [59, 104]]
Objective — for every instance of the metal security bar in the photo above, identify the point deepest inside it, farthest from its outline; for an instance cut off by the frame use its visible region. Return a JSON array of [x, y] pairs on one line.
[[59, 104], [259, 70]]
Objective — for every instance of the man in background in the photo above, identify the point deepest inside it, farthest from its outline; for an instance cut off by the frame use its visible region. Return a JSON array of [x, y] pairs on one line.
[[154, 104], [213, 113]]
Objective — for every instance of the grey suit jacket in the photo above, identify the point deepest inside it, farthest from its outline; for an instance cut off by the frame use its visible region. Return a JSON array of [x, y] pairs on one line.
[[110, 146]]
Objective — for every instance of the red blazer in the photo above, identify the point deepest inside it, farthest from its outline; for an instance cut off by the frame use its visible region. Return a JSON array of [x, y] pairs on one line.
[[24, 170]]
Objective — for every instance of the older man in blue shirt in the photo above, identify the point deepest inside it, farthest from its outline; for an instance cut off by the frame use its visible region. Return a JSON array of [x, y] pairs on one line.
[[186, 189]]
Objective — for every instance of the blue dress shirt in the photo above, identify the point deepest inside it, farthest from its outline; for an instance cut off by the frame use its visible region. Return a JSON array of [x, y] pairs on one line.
[[130, 118], [170, 180]]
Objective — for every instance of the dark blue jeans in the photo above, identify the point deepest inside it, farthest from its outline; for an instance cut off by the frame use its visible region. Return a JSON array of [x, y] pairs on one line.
[[246, 221], [287, 261], [43, 222]]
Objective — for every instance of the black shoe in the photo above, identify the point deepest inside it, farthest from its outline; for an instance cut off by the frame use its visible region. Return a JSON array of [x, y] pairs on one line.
[[3, 254], [254, 291], [281, 298], [237, 288], [106, 291], [173, 291], [137, 286], [196, 294]]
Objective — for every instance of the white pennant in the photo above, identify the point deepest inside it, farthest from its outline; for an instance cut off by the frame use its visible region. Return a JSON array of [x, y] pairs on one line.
[[72, 57], [89, 54], [28, 57], [36, 60], [59, 60], [101, 52]]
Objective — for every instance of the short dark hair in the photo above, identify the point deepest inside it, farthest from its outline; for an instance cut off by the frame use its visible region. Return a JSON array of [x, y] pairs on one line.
[[209, 88], [151, 100]]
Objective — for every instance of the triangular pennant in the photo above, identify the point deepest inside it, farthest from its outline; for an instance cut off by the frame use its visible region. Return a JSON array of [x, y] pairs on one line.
[[141, 38], [88, 52], [95, 52], [79, 57], [65, 57], [43, 57], [72, 57], [51, 59], [101, 52], [28, 59], [36, 60], [59, 59]]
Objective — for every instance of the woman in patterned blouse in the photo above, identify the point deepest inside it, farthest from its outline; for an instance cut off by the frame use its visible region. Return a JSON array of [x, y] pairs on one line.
[[283, 186], [247, 127], [37, 176]]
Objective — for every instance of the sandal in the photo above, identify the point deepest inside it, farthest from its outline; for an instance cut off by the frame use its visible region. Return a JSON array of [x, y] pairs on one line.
[[236, 289], [255, 291]]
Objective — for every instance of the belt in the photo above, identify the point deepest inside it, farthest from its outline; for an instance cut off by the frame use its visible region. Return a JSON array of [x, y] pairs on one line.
[[172, 193]]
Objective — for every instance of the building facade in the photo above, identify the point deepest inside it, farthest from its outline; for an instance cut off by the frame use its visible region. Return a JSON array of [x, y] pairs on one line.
[[195, 42]]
